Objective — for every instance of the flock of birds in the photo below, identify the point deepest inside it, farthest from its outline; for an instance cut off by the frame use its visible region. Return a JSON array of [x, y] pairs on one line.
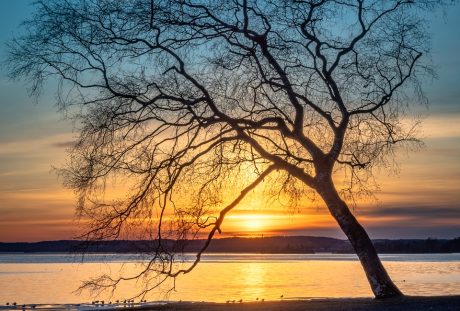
[[14, 304], [124, 302], [257, 299], [129, 302]]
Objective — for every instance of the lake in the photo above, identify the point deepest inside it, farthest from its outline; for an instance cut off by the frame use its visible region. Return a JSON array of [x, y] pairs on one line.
[[54, 278]]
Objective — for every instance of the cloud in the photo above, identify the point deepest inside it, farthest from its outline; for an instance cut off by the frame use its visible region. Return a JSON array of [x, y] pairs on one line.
[[64, 144], [441, 126], [36, 146], [430, 212]]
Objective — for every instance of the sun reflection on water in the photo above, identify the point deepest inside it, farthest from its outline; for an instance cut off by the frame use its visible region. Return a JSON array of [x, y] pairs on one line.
[[246, 277]]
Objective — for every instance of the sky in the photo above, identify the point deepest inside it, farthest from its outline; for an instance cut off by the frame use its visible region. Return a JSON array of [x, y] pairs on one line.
[[422, 200]]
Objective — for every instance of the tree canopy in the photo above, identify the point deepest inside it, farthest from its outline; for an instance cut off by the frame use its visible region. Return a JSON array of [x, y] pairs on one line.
[[192, 104]]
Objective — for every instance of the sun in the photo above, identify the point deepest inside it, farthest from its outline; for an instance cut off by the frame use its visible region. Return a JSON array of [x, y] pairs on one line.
[[253, 224]]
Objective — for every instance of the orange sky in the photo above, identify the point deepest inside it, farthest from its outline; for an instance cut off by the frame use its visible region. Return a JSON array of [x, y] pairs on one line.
[[423, 200]]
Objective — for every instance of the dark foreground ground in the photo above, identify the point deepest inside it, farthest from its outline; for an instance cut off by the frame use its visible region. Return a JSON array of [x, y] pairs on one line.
[[449, 303], [355, 304]]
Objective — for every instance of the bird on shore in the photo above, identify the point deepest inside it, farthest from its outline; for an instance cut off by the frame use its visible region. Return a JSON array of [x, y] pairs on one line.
[[282, 296]]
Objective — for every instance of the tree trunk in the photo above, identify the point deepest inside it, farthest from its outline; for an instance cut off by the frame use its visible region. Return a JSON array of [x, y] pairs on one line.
[[381, 284]]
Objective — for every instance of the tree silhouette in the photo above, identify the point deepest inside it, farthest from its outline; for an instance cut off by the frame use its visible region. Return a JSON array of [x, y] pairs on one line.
[[176, 100]]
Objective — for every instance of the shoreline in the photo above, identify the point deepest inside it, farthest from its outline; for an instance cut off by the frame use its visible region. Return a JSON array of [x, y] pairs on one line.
[[449, 303], [418, 303]]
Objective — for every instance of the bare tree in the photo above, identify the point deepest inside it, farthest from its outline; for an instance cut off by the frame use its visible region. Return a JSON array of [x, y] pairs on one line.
[[177, 99]]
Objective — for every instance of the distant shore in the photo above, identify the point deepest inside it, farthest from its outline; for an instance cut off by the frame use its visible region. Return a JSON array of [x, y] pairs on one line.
[[261, 245]]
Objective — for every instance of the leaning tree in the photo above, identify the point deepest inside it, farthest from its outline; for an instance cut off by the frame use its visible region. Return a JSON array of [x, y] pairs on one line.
[[184, 103]]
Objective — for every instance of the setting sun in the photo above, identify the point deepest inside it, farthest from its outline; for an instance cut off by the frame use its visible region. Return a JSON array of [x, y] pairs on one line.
[[261, 223], [254, 222]]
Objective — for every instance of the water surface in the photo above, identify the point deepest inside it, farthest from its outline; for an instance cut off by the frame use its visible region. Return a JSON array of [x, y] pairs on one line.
[[53, 278]]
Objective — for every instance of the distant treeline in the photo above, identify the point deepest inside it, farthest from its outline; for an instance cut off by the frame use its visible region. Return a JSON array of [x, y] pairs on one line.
[[273, 245]]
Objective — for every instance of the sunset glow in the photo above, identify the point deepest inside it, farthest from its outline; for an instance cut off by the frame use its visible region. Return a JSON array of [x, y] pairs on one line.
[[252, 222], [417, 199]]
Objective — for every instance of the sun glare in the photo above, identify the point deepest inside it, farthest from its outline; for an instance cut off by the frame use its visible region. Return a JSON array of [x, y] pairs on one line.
[[252, 222]]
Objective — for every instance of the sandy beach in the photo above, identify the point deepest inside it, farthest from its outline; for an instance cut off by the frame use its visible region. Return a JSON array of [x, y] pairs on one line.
[[356, 304], [449, 303], [416, 303], [405, 303]]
